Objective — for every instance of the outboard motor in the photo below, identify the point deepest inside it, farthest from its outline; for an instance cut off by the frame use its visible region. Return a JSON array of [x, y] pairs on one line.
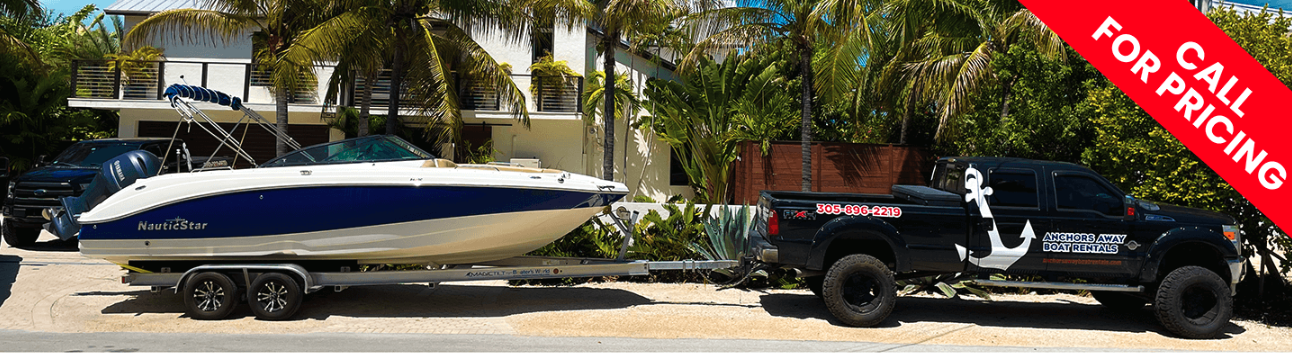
[[116, 174]]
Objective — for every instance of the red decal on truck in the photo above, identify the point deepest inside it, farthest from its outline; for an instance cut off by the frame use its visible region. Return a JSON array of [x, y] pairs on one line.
[[859, 210]]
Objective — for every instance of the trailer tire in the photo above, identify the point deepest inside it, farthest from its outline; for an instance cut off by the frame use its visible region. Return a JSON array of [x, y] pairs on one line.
[[815, 283], [1119, 301], [19, 236], [859, 290], [274, 296], [1193, 302], [210, 296]]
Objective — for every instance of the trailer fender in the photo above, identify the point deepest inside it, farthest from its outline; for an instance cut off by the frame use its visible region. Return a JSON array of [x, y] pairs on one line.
[[307, 282], [858, 234]]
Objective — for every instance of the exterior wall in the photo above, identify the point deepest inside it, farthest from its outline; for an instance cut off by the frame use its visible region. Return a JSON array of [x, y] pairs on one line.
[[646, 168], [128, 127]]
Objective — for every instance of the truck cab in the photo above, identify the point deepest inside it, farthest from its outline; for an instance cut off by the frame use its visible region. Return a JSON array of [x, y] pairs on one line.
[[68, 174]]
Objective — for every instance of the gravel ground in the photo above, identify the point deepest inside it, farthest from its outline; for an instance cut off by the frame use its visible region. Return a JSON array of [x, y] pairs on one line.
[[53, 289]]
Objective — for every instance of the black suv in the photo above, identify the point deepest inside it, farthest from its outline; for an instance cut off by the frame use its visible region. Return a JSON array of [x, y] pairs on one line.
[[67, 175]]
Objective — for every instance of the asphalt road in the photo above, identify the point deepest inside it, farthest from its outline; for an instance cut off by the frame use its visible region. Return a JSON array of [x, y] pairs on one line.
[[21, 341]]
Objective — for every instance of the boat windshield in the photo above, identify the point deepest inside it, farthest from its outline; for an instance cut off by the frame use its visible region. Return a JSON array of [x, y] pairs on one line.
[[365, 149]]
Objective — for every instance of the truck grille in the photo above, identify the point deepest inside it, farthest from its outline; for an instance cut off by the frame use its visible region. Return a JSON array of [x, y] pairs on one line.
[[29, 198]]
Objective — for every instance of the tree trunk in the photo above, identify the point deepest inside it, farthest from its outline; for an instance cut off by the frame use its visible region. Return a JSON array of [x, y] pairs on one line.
[[365, 102], [1004, 102], [805, 71], [906, 116], [608, 157], [280, 101], [396, 83]]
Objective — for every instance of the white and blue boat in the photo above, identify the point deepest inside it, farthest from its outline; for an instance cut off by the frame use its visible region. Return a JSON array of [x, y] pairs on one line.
[[368, 200]]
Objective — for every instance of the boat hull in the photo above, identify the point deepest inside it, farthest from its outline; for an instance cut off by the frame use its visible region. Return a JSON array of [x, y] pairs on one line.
[[368, 224]]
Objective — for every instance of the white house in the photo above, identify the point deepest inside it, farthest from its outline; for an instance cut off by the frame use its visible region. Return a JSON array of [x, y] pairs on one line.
[[557, 138]]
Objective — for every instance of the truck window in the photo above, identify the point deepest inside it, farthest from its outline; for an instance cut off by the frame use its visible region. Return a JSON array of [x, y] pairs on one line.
[[1013, 189], [1078, 192], [949, 177]]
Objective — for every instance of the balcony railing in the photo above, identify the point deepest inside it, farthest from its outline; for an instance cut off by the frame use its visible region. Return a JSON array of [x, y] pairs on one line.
[[145, 80]]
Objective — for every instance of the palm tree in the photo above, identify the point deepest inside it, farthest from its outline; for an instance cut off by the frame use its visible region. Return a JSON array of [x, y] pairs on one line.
[[425, 42], [946, 48], [10, 44], [276, 25], [619, 19], [803, 23]]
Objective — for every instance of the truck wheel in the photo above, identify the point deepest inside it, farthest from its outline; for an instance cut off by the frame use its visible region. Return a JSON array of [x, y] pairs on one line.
[[859, 290], [210, 296], [815, 283], [274, 297], [1193, 302], [19, 236], [1118, 301]]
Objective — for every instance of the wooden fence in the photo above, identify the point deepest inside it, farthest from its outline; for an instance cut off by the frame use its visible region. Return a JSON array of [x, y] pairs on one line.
[[836, 167]]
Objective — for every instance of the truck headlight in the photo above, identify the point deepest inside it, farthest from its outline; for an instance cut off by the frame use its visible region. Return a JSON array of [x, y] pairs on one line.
[[1234, 235], [9, 191]]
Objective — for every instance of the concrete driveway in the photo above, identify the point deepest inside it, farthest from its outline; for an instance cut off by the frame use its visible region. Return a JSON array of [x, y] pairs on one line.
[[51, 288]]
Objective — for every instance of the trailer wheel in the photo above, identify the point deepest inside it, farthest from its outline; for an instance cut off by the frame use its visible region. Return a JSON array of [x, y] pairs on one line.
[[1118, 301], [815, 284], [210, 296], [859, 290], [1193, 302], [274, 296]]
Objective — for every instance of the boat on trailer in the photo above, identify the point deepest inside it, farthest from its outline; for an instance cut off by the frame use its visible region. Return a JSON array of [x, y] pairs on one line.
[[370, 200], [307, 220]]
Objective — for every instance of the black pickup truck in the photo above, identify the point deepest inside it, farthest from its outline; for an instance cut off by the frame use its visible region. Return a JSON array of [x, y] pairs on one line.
[[1058, 222], [69, 173]]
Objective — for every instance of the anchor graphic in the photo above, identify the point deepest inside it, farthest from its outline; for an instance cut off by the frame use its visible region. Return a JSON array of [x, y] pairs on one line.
[[1001, 257]]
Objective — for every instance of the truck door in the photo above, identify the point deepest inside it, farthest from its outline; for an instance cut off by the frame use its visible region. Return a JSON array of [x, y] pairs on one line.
[[1003, 232], [1090, 233]]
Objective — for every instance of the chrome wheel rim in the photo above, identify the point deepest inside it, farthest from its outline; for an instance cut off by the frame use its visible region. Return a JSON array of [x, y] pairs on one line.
[[272, 297], [209, 296]]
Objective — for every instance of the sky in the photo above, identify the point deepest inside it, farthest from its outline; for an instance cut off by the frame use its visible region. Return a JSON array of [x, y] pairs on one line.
[[68, 7]]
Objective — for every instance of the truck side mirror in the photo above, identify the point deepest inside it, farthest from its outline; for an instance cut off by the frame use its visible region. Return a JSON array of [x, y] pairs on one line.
[[40, 160], [4, 167]]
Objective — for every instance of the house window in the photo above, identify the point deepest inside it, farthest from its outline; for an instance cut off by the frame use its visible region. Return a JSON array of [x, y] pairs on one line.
[[676, 173], [542, 40]]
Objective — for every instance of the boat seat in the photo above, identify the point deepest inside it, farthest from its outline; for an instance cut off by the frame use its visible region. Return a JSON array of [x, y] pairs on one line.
[[116, 174], [441, 163]]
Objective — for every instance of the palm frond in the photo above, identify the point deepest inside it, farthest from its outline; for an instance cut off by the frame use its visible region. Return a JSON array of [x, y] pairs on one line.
[[191, 26]]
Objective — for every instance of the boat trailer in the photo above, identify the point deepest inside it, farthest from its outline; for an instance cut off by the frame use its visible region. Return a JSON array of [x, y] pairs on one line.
[[210, 291]]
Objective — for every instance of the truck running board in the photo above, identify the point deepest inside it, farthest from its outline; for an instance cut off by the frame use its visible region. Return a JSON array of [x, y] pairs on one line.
[[1062, 286]]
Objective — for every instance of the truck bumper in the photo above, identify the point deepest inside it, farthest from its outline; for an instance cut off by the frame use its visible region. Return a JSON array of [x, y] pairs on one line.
[[1237, 269], [763, 251]]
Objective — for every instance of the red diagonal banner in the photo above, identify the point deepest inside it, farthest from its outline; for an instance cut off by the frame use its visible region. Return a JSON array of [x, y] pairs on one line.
[[1195, 81]]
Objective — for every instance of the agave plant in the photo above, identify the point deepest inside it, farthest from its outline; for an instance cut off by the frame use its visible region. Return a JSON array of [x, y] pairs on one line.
[[728, 234], [948, 285]]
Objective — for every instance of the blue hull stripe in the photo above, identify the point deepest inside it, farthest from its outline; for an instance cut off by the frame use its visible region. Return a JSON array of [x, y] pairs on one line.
[[297, 210]]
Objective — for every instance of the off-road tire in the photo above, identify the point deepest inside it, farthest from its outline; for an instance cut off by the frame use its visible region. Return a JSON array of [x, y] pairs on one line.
[[274, 297], [19, 236], [1119, 301], [210, 296], [859, 290], [1193, 302], [815, 283]]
